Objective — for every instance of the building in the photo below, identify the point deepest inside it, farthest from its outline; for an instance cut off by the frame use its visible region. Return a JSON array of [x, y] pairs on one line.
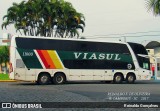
[[153, 48], [6, 39]]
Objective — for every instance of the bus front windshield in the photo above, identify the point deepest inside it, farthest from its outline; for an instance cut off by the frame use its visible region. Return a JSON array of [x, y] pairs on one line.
[[140, 49]]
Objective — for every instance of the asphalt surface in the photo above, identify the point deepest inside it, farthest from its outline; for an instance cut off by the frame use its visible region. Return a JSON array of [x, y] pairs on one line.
[[141, 91]]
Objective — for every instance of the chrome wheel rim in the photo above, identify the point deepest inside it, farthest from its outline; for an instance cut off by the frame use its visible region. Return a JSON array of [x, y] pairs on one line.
[[44, 79], [59, 79], [118, 78], [130, 78]]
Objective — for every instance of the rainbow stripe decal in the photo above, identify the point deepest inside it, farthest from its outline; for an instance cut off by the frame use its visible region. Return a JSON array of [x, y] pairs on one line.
[[50, 59], [46, 59]]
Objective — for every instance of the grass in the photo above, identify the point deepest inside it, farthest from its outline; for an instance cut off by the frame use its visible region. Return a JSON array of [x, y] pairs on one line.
[[4, 77]]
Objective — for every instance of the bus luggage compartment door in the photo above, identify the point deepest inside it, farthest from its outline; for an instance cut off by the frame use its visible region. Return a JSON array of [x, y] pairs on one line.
[[20, 70]]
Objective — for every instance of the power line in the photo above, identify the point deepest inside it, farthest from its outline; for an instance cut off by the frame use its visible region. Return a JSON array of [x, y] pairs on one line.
[[124, 34], [127, 35], [139, 36]]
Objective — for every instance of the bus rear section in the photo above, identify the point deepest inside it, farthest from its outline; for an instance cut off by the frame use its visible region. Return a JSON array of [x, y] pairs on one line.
[[47, 60], [12, 58]]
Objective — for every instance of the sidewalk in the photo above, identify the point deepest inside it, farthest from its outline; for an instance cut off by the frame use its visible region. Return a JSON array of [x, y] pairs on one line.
[[8, 81]]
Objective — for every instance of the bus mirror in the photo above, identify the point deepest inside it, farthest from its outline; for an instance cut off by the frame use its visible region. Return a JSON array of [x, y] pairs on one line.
[[142, 55]]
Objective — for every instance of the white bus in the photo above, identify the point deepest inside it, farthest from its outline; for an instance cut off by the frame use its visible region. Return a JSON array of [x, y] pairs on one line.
[[50, 60]]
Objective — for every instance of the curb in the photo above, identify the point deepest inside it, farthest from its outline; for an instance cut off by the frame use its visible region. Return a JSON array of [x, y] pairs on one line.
[[8, 81]]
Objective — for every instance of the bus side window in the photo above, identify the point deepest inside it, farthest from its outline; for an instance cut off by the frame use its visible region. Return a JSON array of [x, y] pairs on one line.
[[19, 63], [145, 66]]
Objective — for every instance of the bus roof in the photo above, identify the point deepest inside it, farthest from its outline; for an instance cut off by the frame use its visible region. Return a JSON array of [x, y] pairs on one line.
[[71, 39]]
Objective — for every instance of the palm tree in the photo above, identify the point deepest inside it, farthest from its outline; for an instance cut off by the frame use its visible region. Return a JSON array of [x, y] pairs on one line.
[[154, 5], [69, 20], [45, 18]]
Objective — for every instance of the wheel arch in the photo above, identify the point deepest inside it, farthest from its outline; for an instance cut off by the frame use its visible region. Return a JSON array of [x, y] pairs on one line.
[[60, 72], [43, 72]]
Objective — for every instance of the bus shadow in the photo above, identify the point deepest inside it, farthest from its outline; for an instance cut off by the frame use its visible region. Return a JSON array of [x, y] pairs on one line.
[[67, 83], [88, 82]]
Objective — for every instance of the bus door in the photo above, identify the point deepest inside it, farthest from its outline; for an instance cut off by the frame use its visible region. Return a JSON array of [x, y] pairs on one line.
[[20, 70]]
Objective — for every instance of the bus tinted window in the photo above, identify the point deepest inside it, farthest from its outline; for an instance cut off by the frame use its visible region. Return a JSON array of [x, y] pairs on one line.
[[76, 54], [69, 45]]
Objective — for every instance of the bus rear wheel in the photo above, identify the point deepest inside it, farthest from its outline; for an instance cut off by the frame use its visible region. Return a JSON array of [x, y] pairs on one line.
[[130, 78], [59, 78], [44, 79], [118, 78]]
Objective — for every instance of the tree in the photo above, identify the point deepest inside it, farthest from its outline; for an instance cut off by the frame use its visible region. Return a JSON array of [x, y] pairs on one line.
[[48, 18], [154, 5], [4, 56]]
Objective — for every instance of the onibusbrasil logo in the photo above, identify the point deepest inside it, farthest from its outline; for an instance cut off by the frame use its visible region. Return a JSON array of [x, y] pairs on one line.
[[20, 105]]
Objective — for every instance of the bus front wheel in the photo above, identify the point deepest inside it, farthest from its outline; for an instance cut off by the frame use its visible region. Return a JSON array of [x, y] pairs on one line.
[[130, 78], [118, 78]]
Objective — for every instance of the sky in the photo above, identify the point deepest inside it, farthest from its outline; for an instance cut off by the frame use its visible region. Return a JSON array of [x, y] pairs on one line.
[[109, 19]]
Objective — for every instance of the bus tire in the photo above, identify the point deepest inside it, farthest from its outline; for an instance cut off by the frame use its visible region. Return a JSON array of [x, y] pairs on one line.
[[44, 79], [59, 78], [118, 78], [130, 78]]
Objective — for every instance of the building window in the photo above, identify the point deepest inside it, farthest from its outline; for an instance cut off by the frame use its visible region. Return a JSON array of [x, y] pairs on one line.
[[148, 51]]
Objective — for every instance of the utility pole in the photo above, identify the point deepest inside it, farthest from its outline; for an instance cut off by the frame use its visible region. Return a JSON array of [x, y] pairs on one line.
[[125, 39]]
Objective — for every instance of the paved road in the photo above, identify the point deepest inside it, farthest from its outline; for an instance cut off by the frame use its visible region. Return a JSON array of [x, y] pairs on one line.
[[141, 91]]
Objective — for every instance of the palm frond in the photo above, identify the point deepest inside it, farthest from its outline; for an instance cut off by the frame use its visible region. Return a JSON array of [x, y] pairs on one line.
[[82, 22], [80, 27], [154, 6]]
